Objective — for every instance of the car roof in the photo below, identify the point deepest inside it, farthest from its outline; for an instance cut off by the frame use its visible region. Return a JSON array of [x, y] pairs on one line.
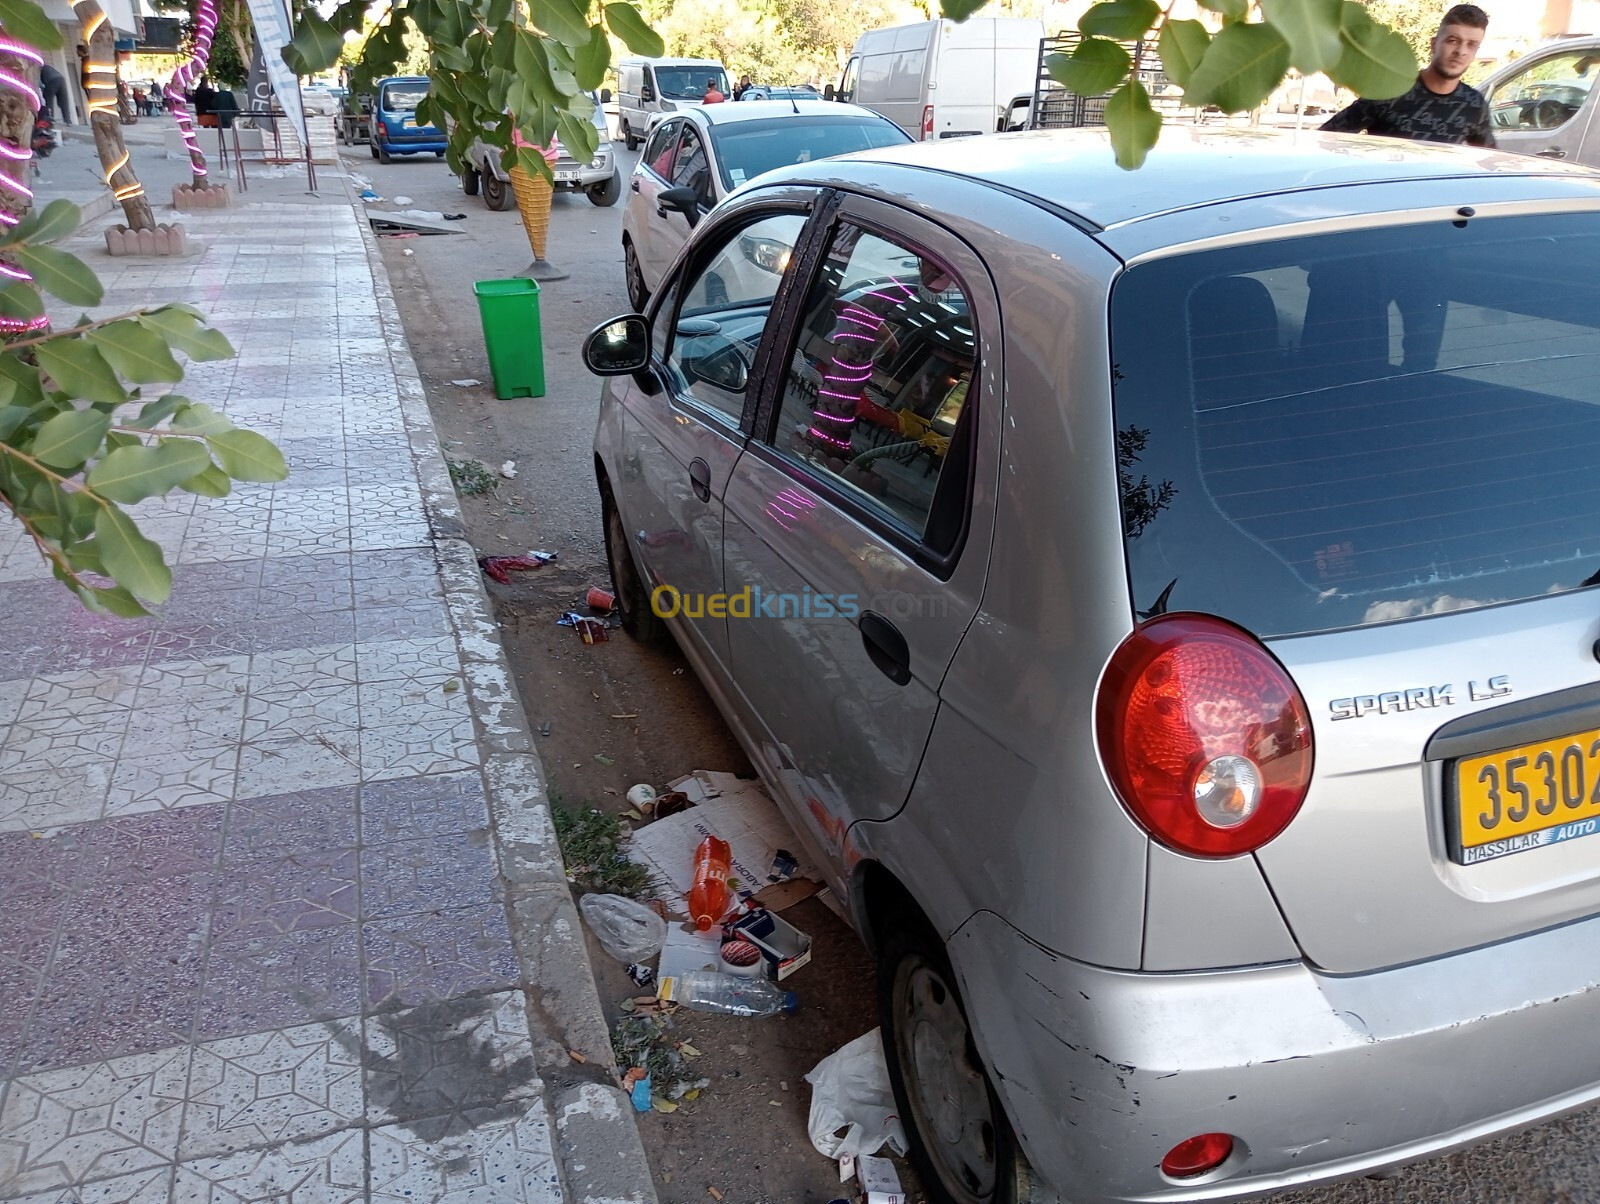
[[756, 110], [1075, 171]]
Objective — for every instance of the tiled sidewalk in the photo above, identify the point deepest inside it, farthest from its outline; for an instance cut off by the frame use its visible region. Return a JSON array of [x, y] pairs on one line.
[[257, 854]]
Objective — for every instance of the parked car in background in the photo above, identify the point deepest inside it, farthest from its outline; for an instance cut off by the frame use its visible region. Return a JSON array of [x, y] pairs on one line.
[[943, 79], [1543, 103], [648, 88], [600, 179], [695, 158], [394, 120], [1164, 603], [772, 92]]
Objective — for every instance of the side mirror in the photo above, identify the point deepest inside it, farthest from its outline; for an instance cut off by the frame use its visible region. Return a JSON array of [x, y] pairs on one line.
[[828, 92], [685, 200], [618, 347], [605, 96], [646, 92]]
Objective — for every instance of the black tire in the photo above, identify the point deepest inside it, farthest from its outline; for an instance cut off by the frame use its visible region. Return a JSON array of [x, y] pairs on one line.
[[633, 600], [384, 156], [438, 154], [497, 193], [638, 294], [609, 192], [469, 181], [961, 1142], [374, 149], [629, 137]]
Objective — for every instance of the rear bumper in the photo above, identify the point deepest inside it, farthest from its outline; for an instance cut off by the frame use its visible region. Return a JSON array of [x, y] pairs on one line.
[[406, 143], [1316, 1077]]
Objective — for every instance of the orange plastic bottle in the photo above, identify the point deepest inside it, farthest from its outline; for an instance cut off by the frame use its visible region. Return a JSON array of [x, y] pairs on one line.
[[708, 897]]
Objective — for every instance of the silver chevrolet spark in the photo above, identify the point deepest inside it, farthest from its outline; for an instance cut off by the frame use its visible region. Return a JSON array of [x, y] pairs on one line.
[[1159, 600]]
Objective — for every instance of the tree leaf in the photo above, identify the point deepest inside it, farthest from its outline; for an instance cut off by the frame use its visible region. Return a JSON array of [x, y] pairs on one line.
[[960, 10], [247, 456], [593, 58], [1311, 27], [132, 561], [25, 377], [1231, 10], [1241, 67], [197, 418], [1095, 67], [131, 474], [533, 66], [316, 43], [26, 22], [183, 329], [565, 20], [1377, 62], [70, 438], [579, 137], [1119, 19], [497, 12], [119, 602], [79, 368], [213, 482], [161, 409], [349, 17], [136, 352], [56, 220], [19, 300], [1183, 44], [624, 21], [62, 275], [1133, 124], [11, 420]]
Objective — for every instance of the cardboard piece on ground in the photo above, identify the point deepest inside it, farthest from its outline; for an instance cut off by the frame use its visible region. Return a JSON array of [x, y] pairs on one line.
[[685, 951], [879, 1182], [739, 812]]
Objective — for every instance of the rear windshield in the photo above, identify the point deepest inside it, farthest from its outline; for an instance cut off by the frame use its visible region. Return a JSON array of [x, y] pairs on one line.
[[689, 83], [403, 98], [1354, 428], [747, 148]]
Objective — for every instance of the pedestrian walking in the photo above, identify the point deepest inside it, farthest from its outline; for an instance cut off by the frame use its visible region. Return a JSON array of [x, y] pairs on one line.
[[53, 92], [158, 99], [1439, 107], [713, 96]]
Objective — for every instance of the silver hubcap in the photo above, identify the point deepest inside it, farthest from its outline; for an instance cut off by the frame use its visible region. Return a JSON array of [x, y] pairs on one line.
[[635, 277], [948, 1092]]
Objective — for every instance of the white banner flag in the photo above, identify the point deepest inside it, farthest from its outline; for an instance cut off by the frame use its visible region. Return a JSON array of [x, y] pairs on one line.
[[273, 33]]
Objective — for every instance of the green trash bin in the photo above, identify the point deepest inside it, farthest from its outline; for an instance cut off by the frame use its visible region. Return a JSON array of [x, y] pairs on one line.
[[510, 313]]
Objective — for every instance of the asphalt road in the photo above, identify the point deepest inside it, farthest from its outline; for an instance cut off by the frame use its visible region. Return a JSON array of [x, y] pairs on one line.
[[620, 714]]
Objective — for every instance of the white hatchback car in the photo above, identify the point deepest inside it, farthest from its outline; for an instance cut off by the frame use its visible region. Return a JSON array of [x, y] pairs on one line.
[[694, 158]]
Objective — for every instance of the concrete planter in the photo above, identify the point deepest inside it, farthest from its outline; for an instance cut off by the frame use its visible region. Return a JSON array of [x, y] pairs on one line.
[[162, 241], [186, 197]]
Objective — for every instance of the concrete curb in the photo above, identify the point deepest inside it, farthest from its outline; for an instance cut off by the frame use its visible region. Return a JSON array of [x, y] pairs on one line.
[[596, 1140]]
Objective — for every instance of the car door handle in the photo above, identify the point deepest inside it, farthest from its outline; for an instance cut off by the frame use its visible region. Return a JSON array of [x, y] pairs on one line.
[[700, 479], [1552, 152], [634, 187], [886, 647]]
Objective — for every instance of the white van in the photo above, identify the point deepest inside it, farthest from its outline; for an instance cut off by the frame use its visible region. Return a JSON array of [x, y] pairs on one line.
[[943, 79], [647, 87]]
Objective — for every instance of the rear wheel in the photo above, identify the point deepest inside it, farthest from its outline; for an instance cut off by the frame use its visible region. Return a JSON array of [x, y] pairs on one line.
[[629, 137], [374, 149], [438, 154], [497, 193], [961, 1142], [638, 294], [384, 156], [469, 181], [633, 600]]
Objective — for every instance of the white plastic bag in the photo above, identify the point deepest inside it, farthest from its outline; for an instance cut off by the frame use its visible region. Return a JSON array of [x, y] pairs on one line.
[[850, 1091], [629, 931]]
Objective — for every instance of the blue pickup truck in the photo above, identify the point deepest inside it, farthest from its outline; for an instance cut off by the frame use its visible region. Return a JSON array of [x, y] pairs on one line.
[[394, 120]]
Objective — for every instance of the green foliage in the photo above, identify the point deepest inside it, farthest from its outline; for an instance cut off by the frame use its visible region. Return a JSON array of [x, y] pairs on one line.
[[1096, 65], [1311, 27], [1133, 123], [591, 847], [1241, 67], [471, 477], [74, 450]]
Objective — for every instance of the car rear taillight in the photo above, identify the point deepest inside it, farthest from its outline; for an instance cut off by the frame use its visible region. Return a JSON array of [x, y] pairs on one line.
[[1197, 1156], [1204, 735], [927, 122]]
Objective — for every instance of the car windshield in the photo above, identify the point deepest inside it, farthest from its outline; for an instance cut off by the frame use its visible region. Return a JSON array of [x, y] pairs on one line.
[[746, 149], [1351, 428], [403, 98], [689, 83]]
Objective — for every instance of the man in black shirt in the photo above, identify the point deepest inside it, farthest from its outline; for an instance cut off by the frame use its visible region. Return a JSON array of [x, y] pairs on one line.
[[1439, 107]]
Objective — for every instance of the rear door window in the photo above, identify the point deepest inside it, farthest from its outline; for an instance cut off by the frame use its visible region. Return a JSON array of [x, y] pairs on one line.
[[1361, 427]]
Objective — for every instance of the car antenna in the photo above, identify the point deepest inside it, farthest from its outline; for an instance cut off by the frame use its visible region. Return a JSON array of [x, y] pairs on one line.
[[794, 104]]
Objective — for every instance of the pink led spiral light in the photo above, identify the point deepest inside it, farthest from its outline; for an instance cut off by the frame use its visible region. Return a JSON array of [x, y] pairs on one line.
[[184, 77], [19, 157]]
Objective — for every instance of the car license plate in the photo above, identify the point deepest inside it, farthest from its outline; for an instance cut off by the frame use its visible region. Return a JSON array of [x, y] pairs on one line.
[[1527, 797], [409, 123], [566, 177]]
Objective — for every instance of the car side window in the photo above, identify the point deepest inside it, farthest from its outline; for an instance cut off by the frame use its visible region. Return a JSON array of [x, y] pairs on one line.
[[692, 170], [722, 305], [1545, 95], [878, 383], [658, 150], [847, 86]]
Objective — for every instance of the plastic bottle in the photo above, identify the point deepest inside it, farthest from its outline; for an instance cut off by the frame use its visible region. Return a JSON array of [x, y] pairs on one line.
[[708, 896], [709, 991]]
